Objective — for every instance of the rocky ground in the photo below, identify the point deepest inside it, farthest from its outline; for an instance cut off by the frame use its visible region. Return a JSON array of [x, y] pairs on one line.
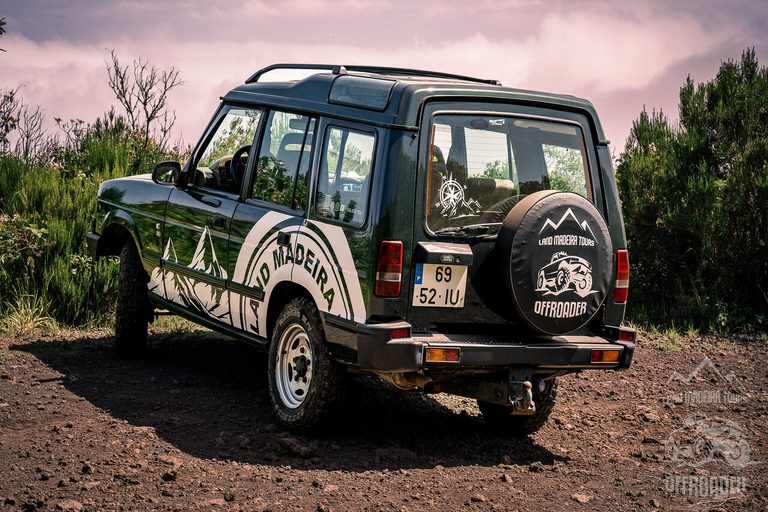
[[189, 428]]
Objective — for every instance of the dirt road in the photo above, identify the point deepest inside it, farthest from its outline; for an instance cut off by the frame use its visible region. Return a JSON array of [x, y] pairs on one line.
[[190, 429]]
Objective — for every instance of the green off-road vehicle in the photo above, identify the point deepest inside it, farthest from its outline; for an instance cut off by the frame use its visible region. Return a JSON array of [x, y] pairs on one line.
[[442, 232]]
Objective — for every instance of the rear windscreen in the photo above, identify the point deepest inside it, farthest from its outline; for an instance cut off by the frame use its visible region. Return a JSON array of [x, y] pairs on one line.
[[480, 166]]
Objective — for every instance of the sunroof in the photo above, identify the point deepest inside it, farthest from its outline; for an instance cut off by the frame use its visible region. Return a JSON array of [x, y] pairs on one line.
[[358, 91]]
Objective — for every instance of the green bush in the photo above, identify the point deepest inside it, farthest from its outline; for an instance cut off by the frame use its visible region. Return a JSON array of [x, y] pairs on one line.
[[45, 212], [694, 200]]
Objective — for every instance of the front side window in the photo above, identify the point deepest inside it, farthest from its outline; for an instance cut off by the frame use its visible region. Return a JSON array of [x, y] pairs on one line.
[[236, 130], [344, 178], [480, 166], [284, 155]]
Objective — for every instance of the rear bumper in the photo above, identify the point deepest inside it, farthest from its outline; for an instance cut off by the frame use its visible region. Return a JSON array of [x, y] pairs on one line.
[[377, 351]]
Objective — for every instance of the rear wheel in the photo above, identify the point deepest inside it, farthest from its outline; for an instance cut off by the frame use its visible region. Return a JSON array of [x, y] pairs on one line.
[[133, 307], [307, 386], [498, 416]]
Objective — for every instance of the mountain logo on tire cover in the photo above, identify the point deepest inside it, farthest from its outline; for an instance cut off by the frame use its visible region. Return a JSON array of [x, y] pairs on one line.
[[567, 271]]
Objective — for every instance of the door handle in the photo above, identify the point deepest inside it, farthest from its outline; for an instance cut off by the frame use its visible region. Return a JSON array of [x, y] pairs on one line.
[[283, 238], [211, 202]]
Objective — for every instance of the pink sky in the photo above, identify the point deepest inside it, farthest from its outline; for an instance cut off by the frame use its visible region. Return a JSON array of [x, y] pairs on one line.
[[619, 55]]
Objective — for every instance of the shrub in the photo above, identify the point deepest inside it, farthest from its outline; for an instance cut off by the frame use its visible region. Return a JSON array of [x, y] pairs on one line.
[[45, 212], [693, 198]]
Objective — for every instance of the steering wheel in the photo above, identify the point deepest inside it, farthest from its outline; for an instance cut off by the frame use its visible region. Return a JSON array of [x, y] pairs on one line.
[[237, 166]]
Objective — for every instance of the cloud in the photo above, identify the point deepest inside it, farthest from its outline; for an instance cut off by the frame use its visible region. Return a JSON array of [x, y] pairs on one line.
[[599, 50], [608, 50]]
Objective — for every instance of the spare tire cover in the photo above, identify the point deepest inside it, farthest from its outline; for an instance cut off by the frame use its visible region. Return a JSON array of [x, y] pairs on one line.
[[559, 253]]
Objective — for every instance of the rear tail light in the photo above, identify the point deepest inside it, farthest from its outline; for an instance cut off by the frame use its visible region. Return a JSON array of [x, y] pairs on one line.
[[399, 333], [389, 269], [443, 355], [627, 334], [622, 276]]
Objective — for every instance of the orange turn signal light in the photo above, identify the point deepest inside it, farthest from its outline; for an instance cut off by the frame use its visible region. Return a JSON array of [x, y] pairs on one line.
[[605, 356], [443, 355]]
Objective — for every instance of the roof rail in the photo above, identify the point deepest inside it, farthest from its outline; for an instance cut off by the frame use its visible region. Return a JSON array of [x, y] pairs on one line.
[[378, 70]]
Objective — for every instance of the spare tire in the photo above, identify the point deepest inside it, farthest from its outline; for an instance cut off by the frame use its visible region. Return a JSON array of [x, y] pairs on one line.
[[557, 256]]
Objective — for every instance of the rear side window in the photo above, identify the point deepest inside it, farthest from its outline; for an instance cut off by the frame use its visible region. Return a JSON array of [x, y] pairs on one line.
[[345, 175], [480, 166]]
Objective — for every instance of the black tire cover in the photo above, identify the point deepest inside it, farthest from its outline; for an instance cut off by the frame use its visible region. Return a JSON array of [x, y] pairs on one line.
[[559, 256]]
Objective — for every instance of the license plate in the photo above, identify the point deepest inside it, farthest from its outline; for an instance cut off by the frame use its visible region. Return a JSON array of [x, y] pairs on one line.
[[439, 286]]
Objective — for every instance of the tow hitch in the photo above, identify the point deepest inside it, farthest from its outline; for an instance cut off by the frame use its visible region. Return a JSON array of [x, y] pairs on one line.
[[521, 391]]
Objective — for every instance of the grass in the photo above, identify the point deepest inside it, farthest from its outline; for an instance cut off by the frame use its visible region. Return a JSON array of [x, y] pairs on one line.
[[173, 324], [27, 316], [669, 347]]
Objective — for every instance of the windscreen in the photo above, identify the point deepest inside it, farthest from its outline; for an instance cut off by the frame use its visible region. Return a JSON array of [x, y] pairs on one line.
[[480, 166]]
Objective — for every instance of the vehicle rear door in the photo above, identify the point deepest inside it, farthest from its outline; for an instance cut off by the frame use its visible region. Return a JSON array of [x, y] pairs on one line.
[[475, 166], [264, 232]]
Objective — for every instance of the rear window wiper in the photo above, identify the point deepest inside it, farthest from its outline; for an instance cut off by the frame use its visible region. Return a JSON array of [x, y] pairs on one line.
[[475, 228]]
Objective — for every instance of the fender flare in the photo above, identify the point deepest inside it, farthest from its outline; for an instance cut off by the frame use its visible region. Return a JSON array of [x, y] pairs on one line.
[[118, 227]]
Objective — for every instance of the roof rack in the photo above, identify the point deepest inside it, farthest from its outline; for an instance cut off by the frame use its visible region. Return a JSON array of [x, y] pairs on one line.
[[341, 70]]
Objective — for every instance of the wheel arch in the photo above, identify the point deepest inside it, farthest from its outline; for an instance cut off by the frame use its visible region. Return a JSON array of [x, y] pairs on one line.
[[119, 227], [282, 294]]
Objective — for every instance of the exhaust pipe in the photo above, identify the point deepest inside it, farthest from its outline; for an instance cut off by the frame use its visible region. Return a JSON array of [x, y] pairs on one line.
[[422, 381]]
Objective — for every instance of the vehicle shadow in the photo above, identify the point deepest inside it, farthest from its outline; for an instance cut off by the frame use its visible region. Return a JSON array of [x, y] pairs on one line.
[[207, 395]]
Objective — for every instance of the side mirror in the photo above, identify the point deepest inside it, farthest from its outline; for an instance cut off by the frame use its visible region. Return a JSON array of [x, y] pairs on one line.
[[166, 173]]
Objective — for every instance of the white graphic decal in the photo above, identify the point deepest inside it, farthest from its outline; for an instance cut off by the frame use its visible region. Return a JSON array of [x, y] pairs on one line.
[[452, 198], [567, 215], [565, 273], [315, 256], [195, 294], [277, 249]]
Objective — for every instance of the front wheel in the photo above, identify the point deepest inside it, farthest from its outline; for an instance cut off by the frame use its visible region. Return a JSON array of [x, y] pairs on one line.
[[133, 309], [522, 425], [307, 386]]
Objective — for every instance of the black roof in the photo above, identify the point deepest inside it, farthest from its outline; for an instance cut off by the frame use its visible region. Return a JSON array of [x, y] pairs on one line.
[[310, 88]]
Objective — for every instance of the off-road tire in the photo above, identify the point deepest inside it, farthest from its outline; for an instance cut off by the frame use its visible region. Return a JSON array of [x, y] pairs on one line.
[[497, 416], [299, 330], [133, 306]]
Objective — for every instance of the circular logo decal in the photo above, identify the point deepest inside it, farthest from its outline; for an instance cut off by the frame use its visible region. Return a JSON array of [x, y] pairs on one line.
[[560, 263]]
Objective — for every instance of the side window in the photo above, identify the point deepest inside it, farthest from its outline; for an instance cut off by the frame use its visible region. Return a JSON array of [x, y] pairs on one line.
[[345, 172], [284, 155], [235, 131]]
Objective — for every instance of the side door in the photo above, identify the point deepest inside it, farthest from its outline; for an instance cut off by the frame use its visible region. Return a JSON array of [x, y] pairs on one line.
[[265, 226], [336, 240], [198, 217]]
